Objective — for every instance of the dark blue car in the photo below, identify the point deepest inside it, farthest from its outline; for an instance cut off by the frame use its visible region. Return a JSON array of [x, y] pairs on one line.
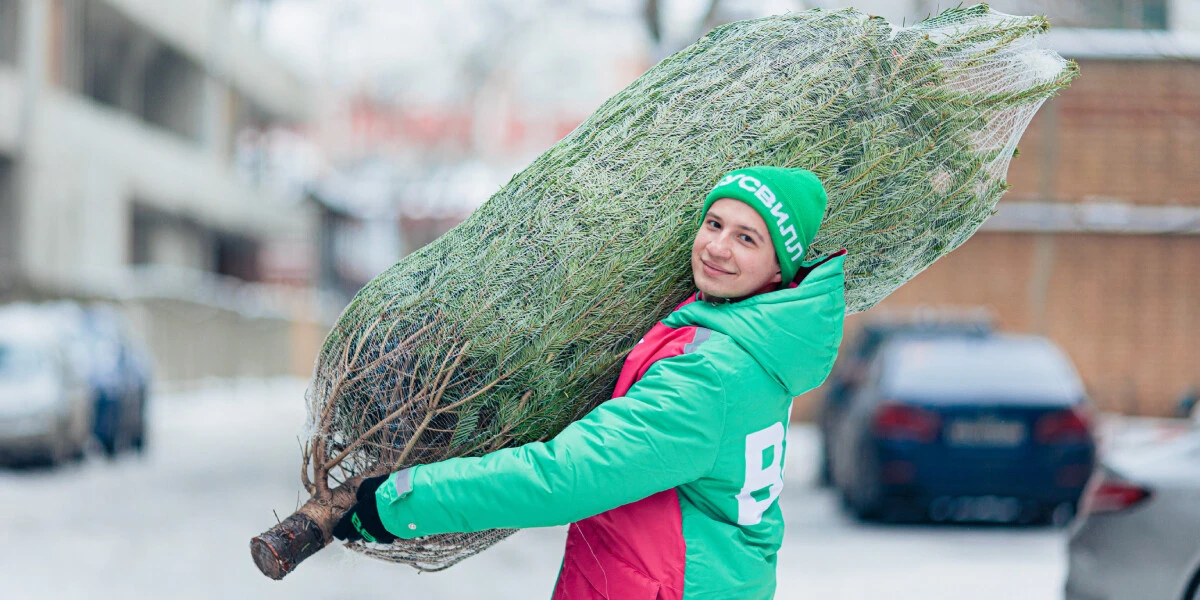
[[849, 372], [988, 428]]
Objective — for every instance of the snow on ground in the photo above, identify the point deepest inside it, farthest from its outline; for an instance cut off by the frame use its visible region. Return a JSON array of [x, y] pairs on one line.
[[177, 522]]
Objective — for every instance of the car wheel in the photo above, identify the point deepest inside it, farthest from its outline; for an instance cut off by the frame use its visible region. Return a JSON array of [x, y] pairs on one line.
[[846, 502], [824, 469], [867, 503], [78, 452], [866, 493], [48, 457], [109, 446], [1193, 589], [138, 440], [108, 427], [62, 448]]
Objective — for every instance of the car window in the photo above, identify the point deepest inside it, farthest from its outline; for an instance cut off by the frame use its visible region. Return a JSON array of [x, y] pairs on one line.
[[980, 367]]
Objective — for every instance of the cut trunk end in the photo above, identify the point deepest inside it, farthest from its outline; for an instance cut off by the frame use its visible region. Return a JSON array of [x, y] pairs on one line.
[[278, 550]]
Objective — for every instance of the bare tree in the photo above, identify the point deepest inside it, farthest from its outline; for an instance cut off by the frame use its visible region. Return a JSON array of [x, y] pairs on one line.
[[652, 17], [653, 20]]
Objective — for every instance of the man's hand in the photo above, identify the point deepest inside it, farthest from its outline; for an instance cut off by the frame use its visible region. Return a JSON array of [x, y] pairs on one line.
[[362, 522]]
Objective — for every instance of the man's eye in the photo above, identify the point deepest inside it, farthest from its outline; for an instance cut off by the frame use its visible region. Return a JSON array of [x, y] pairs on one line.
[[747, 239], [714, 224]]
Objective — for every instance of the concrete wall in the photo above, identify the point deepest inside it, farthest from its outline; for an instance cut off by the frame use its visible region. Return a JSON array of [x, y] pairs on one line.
[[10, 110], [10, 21], [202, 30], [190, 341], [86, 165], [8, 204], [1183, 15]]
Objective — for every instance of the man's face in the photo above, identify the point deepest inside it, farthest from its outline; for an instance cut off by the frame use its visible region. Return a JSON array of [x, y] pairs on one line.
[[733, 255]]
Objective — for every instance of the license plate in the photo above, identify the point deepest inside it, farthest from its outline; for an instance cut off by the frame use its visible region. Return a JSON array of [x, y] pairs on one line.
[[988, 432]]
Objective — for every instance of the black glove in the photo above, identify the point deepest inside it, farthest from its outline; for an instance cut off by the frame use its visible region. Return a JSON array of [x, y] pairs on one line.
[[362, 522]]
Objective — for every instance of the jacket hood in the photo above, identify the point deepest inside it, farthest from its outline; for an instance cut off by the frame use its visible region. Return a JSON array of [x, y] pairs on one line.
[[792, 333]]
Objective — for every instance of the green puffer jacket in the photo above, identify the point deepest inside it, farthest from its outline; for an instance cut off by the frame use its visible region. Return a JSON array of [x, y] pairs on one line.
[[671, 487]]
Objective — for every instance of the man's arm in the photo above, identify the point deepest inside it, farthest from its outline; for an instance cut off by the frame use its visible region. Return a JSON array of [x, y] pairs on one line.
[[664, 432]]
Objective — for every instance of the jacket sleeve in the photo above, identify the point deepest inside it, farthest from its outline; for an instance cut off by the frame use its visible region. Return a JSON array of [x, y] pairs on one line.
[[663, 433]]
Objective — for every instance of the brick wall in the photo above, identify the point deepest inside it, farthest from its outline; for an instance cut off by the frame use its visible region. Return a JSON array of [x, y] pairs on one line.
[[1124, 308], [1124, 130]]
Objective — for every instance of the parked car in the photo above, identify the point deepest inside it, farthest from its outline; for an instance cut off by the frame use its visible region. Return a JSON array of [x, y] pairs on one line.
[[849, 372], [45, 403], [1137, 532], [958, 428]]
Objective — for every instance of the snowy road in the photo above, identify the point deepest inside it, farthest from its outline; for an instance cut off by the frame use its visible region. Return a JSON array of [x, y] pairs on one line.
[[176, 524]]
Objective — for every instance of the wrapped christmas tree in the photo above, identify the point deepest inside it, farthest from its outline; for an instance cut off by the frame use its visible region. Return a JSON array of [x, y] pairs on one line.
[[515, 323]]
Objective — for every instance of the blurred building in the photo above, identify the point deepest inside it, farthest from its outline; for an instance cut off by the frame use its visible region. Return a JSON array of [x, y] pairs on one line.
[[128, 136], [1097, 244], [137, 141]]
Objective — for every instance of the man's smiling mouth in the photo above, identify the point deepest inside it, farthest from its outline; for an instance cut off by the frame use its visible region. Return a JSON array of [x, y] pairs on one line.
[[714, 267]]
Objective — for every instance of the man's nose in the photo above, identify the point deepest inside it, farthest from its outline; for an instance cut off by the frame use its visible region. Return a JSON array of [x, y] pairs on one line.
[[719, 247]]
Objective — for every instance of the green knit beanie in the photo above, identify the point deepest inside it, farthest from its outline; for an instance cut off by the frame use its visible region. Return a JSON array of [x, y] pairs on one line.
[[791, 202]]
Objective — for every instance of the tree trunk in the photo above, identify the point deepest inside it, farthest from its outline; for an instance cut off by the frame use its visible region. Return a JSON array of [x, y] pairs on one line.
[[278, 550]]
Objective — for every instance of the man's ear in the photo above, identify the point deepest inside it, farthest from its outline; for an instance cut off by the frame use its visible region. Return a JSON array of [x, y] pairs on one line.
[[777, 278]]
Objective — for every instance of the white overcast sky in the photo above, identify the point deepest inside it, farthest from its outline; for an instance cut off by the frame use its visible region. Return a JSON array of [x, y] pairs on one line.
[[347, 42]]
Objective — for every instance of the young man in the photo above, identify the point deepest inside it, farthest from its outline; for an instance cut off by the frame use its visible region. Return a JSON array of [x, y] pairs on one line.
[[670, 487]]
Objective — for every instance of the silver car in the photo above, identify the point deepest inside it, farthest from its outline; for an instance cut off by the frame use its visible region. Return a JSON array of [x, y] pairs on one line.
[[45, 405], [1138, 533]]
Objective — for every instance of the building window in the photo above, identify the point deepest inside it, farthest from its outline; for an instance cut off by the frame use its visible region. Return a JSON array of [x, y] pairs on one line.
[[163, 238], [104, 55], [173, 93], [236, 256], [1155, 14]]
